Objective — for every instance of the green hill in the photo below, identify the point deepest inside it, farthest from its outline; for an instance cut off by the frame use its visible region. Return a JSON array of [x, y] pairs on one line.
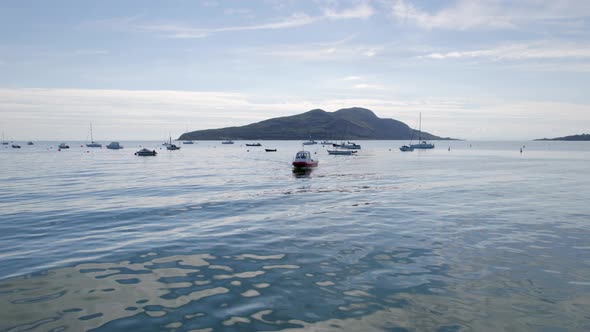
[[348, 123]]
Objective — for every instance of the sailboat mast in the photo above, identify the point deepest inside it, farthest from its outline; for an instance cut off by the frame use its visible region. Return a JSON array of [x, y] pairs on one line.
[[420, 128], [91, 138]]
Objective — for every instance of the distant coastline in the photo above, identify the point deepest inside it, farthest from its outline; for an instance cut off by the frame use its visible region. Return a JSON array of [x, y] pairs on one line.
[[580, 137]]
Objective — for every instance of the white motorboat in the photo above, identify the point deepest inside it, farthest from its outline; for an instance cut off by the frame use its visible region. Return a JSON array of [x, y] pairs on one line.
[[227, 142]]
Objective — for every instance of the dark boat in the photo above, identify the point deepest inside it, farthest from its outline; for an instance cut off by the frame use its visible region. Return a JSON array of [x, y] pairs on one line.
[[254, 144], [270, 150]]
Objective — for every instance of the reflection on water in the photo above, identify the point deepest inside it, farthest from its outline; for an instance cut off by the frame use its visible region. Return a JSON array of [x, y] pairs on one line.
[[407, 288]]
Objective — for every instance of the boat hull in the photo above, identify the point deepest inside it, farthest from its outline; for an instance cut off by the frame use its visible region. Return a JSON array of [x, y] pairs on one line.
[[305, 164]]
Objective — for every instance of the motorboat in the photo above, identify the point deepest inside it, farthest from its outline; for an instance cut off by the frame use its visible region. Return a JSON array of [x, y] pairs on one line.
[[303, 159], [406, 148], [114, 146], [15, 146], [253, 144], [270, 150], [30, 143], [342, 152], [63, 146], [187, 142], [348, 145], [227, 142], [146, 152], [310, 142]]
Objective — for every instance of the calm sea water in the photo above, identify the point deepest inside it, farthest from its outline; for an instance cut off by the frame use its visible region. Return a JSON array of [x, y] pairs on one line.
[[226, 237]]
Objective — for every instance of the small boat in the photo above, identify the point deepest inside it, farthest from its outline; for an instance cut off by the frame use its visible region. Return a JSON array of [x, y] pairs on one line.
[[30, 143], [342, 152], [227, 142], [270, 150], [3, 141], [310, 142], [348, 145], [63, 146], [253, 144], [172, 147], [327, 143], [92, 143], [15, 146], [187, 142], [114, 146], [303, 159], [146, 152], [422, 144], [405, 148]]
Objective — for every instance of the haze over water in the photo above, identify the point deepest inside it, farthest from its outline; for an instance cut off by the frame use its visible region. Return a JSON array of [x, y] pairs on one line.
[[215, 237]]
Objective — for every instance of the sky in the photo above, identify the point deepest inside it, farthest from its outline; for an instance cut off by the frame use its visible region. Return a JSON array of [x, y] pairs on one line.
[[143, 70]]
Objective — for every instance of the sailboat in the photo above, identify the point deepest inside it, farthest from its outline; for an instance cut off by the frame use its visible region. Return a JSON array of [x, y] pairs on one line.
[[3, 141], [171, 146], [422, 144], [92, 143]]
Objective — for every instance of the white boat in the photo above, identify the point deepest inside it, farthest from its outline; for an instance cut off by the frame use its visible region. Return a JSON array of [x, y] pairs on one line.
[[92, 143], [114, 146], [63, 146], [171, 146], [348, 145], [227, 142], [146, 152], [422, 144], [342, 152], [303, 159]]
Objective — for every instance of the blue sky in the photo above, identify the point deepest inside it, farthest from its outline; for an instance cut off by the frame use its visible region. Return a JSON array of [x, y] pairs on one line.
[[142, 69]]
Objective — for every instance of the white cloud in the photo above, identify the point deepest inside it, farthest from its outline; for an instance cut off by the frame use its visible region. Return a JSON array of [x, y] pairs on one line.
[[361, 11], [369, 86], [522, 51], [352, 78], [492, 14]]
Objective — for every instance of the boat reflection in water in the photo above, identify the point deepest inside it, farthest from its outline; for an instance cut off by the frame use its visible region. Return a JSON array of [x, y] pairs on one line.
[[299, 172]]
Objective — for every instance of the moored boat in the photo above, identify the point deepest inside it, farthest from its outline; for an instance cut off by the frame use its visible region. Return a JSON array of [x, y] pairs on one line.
[[63, 146], [92, 143], [172, 147], [270, 150], [15, 146], [146, 152], [187, 142], [30, 143], [348, 145], [303, 159], [422, 144], [310, 142], [253, 144], [406, 148], [227, 142], [114, 146], [342, 152]]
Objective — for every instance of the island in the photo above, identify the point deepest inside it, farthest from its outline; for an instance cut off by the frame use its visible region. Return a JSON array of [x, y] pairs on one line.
[[348, 123], [581, 137]]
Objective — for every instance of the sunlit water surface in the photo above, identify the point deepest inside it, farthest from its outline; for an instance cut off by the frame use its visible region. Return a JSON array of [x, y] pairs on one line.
[[226, 237]]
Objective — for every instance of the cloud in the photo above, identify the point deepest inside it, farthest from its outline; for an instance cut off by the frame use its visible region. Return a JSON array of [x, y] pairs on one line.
[[185, 31], [521, 51], [361, 11], [352, 78], [493, 14], [369, 86]]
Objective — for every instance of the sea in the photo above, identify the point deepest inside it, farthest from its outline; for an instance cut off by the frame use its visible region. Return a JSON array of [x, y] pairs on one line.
[[468, 236]]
